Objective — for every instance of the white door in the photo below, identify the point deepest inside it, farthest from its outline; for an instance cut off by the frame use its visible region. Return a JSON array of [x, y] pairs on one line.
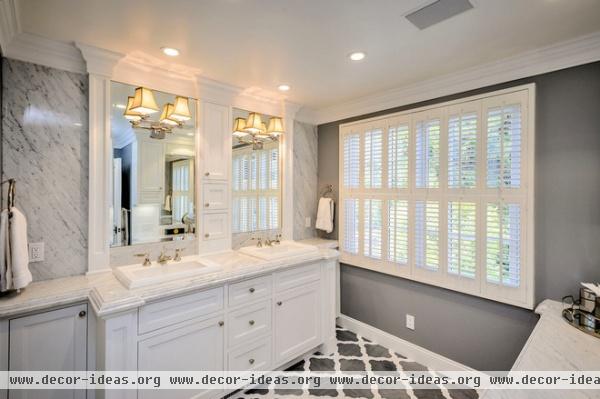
[[151, 171], [197, 346], [53, 341], [297, 321], [183, 189], [115, 210], [216, 136]]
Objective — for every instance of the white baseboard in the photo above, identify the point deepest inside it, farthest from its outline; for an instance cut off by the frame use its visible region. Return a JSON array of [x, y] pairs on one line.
[[415, 352]]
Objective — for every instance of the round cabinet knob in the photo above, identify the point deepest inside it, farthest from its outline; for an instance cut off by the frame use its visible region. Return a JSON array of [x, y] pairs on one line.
[[251, 290], [82, 314], [206, 235], [207, 174], [206, 205], [251, 322], [279, 303], [251, 361], [221, 323]]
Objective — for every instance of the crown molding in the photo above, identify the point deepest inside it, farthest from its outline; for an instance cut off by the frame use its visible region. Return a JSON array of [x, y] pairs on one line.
[[99, 61], [578, 51], [9, 23]]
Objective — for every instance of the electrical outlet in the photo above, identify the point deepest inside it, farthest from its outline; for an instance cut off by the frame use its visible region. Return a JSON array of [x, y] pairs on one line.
[[410, 321], [307, 222], [36, 252]]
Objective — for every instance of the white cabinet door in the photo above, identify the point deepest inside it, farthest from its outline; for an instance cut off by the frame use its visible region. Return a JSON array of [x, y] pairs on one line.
[[216, 137], [151, 158], [54, 341], [297, 321], [194, 346]]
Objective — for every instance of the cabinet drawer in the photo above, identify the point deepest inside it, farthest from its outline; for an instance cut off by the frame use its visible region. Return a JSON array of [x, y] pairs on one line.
[[215, 196], [214, 226], [249, 323], [248, 290], [255, 356], [296, 277], [165, 313]]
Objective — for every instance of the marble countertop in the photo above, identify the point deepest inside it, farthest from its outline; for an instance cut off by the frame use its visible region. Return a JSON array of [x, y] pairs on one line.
[[108, 296], [321, 242], [554, 345]]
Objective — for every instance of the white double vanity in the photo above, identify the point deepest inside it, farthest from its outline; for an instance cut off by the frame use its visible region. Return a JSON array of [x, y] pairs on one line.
[[170, 197]]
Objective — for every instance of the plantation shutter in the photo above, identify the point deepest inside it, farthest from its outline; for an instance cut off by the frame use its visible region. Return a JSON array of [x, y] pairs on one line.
[[352, 160], [462, 150], [398, 156], [462, 240], [503, 244], [373, 226], [504, 146], [398, 231], [373, 157], [351, 215], [427, 157], [427, 235]]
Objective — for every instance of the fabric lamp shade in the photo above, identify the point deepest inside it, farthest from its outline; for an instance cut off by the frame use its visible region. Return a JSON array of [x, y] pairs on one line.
[[129, 114], [181, 110], [165, 116], [144, 102], [253, 123], [275, 126], [239, 127]]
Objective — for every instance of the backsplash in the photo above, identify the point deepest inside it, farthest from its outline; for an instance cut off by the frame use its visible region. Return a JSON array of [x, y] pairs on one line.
[[45, 147], [305, 179]]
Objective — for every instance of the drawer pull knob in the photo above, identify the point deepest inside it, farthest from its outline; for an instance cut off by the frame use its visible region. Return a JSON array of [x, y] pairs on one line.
[[221, 323], [251, 322], [251, 290], [82, 314], [206, 235], [207, 205], [279, 303], [207, 174], [251, 361]]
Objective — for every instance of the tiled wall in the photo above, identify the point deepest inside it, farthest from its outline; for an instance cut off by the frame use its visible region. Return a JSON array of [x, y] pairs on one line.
[[45, 147], [305, 179]]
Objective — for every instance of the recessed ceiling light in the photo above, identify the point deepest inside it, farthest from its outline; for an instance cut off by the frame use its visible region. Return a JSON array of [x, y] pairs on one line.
[[170, 51], [283, 87], [357, 56]]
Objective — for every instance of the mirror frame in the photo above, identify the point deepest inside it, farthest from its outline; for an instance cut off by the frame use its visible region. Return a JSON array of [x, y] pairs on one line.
[[104, 66]]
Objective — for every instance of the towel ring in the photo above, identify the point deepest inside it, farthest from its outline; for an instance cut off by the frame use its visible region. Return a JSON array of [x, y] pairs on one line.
[[327, 191]]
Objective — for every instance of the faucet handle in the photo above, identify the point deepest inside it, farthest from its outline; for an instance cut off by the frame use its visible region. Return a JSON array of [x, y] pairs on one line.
[[259, 239], [146, 256], [177, 257]]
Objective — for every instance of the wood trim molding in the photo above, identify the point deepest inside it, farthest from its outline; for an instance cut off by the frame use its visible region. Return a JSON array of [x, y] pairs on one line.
[[9, 23], [573, 52]]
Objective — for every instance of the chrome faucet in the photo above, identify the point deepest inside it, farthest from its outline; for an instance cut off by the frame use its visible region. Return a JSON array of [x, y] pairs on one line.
[[277, 239], [163, 258], [259, 244], [177, 257]]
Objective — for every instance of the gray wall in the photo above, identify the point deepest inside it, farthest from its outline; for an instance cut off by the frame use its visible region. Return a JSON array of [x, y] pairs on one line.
[[305, 179], [484, 334], [45, 147]]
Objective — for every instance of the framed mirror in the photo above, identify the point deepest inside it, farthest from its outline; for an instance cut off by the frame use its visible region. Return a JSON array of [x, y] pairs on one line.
[[153, 166], [256, 176]]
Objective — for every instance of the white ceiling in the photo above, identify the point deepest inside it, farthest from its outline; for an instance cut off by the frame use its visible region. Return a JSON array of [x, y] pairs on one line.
[[262, 43]]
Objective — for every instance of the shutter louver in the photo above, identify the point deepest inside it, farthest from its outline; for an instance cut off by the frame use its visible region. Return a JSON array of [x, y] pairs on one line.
[[398, 231], [274, 213], [504, 146], [462, 151], [352, 160], [428, 154], [351, 212], [398, 157], [462, 245], [274, 169], [373, 158], [373, 223], [427, 234], [503, 244]]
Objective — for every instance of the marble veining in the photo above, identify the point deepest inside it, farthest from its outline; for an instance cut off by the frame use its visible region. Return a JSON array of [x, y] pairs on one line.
[[306, 189], [108, 296], [45, 147]]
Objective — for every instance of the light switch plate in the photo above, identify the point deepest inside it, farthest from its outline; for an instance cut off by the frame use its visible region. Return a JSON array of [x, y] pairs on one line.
[[36, 252], [307, 222], [410, 322]]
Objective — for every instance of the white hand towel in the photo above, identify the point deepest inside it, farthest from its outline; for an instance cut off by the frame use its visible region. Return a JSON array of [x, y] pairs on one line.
[[5, 269], [167, 206], [19, 253], [325, 215]]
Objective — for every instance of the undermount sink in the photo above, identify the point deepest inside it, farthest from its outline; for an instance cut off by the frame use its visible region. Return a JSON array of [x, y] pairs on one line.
[[283, 250], [137, 276]]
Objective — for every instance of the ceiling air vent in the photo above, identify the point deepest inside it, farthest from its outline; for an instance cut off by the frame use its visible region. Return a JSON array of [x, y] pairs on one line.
[[437, 12]]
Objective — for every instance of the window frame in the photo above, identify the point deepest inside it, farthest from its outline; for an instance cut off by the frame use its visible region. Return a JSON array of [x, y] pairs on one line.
[[523, 296]]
